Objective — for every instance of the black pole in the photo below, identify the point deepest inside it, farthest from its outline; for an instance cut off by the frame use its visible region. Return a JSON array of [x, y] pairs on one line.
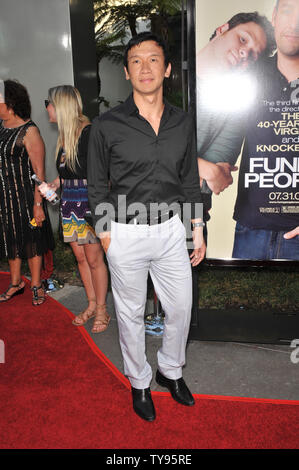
[[183, 62], [191, 57]]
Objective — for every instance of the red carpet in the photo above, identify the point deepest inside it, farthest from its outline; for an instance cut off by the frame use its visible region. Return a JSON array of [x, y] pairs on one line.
[[58, 391]]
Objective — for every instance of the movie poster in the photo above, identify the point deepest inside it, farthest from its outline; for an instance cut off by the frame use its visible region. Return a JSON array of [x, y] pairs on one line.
[[247, 92]]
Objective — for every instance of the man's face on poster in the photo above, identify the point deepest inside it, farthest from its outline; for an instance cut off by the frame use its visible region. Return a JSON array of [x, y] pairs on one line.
[[239, 46], [286, 26]]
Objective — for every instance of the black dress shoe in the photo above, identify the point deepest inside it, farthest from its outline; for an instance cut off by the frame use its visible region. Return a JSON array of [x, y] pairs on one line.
[[178, 389], [143, 404]]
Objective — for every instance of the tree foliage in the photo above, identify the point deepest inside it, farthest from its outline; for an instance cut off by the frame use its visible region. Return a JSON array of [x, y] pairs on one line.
[[117, 20], [114, 19]]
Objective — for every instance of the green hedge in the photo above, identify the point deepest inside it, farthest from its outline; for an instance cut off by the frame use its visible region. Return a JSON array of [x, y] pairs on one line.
[[219, 288]]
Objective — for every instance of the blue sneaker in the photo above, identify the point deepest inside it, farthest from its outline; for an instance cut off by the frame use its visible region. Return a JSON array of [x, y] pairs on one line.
[[49, 285], [154, 326]]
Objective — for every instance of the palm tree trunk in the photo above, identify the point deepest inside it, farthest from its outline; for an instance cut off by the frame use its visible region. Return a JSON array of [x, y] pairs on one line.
[[132, 24]]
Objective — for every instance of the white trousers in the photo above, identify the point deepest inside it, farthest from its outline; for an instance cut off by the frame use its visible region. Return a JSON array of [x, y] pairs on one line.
[[135, 251]]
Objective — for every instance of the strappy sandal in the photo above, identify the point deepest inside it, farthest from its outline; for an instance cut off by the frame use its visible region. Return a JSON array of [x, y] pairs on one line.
[[37, 299], [85, 315], [101, 321], [5, 296]]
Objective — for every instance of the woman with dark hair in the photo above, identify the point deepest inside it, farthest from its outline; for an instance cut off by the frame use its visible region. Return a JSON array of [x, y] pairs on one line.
[[22, 154]]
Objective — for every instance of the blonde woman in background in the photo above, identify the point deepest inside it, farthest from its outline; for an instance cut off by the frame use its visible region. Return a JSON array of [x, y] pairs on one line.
[[64, 107]]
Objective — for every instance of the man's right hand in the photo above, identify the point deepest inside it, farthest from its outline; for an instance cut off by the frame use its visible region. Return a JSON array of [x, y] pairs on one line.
[[221, 177], [217, 175], [292, 233], [105, 238]]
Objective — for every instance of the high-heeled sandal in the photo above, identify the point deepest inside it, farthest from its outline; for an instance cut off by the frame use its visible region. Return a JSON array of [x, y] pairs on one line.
[[86, 315], [101, 320], [5, 296], [37, 299]]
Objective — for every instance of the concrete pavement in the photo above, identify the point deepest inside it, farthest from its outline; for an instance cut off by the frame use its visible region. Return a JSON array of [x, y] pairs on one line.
[[212, 368]]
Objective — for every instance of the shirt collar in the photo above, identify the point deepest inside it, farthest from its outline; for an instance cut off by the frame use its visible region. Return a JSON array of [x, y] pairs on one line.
[[275, 70], [131, 108]]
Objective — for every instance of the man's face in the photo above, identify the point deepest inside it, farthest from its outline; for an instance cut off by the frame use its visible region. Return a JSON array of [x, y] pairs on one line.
[[286, 26], [146, 67], [239, 46]]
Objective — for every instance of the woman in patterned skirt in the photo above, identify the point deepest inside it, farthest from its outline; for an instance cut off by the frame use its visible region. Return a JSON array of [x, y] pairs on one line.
[[22, 154], [64, 106]]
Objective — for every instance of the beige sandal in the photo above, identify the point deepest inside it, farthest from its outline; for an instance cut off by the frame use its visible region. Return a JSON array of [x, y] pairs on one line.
[[84, 316], [101, 320]]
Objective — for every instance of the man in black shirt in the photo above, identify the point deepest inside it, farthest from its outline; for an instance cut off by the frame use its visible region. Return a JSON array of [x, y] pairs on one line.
[[142, 158]]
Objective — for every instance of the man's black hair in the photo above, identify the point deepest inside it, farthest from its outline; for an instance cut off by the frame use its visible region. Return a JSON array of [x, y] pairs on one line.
[[17, 98], [262, 21], [146, 36]]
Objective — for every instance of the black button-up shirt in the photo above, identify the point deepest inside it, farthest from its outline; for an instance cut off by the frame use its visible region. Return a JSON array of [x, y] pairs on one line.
[[127, 158]]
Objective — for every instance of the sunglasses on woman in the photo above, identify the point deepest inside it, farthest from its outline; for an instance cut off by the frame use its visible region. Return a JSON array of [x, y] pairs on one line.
[[47, 102]]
